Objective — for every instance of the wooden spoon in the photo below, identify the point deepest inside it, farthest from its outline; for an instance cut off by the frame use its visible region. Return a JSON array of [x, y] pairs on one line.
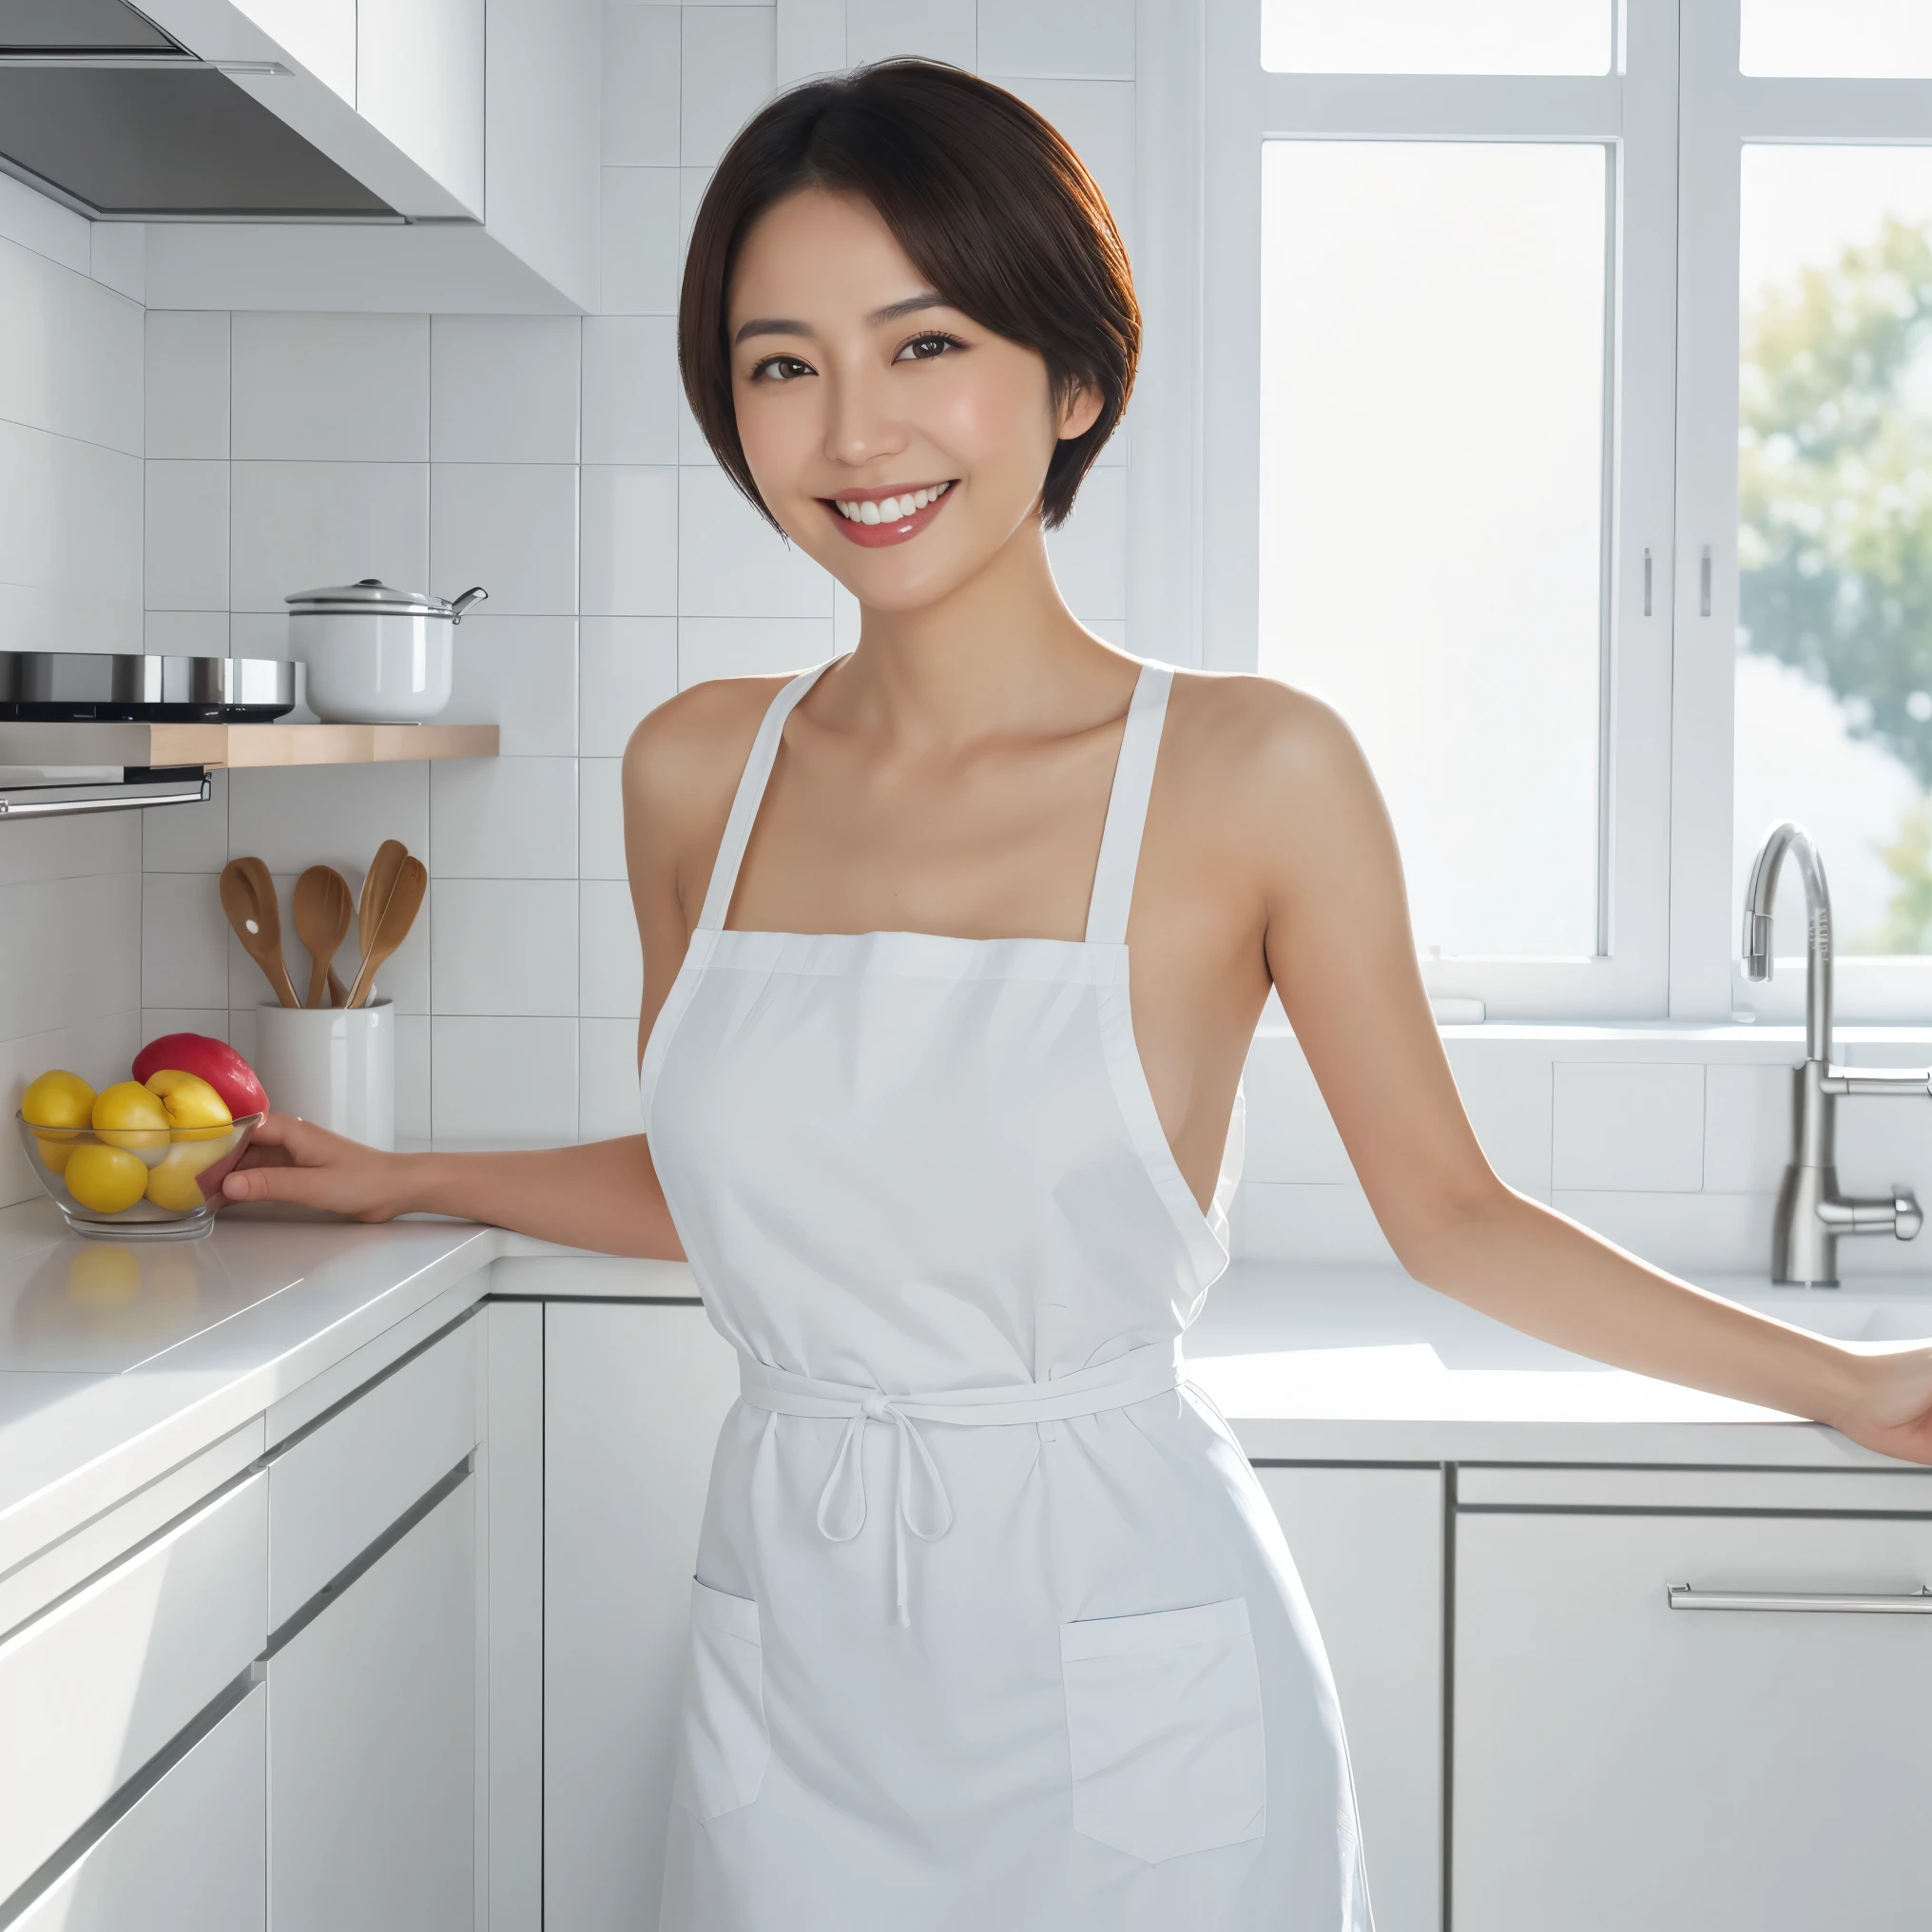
[[322, 911], [248, 898], [378, 882], [393, 921]]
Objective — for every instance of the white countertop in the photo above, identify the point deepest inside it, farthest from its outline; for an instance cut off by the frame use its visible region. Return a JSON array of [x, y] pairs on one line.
[[117, 1361]]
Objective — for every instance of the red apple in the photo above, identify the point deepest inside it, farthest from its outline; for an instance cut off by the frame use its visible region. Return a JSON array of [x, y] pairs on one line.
[[215, 1062]]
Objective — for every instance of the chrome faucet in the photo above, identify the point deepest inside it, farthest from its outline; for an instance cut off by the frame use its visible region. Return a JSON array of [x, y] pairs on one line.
[[1812, 1214]]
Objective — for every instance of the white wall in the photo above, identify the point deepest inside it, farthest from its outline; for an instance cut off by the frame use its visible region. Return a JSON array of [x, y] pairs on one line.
[[551, 459], [70, 551]]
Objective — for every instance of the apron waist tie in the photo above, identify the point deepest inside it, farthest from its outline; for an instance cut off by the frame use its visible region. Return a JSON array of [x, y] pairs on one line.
[[921, 1504]]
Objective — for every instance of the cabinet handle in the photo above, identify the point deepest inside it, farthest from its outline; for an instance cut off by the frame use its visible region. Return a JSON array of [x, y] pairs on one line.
[[1834, 1602]]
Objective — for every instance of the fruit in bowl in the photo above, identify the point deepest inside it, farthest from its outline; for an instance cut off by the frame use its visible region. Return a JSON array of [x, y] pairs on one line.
[[147, 1155]]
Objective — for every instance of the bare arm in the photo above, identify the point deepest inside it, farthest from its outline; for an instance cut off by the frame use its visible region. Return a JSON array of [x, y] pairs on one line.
[[679, 774], [1342, 958]]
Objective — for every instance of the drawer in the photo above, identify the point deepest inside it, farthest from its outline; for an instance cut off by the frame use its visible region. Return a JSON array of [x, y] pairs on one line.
[[190, 1856], [95, 1686], [334, 1489]]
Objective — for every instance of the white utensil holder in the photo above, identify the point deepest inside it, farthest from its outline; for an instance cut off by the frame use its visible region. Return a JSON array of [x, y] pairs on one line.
[[333, 1067]]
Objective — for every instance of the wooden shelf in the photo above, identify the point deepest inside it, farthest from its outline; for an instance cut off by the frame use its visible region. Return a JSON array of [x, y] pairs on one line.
[[234, 747]]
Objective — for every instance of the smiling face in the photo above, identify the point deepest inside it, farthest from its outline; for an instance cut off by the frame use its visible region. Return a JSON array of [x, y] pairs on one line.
[[895, 439]]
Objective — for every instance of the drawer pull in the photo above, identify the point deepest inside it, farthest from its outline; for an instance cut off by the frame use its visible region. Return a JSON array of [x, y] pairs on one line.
[[1835, 1602]]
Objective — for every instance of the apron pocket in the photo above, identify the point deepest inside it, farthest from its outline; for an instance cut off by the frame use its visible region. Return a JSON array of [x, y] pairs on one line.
[[724, 1743], [1164, 1721]]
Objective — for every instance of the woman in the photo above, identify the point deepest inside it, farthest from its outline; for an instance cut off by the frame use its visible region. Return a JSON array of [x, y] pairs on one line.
[[991, 1625]]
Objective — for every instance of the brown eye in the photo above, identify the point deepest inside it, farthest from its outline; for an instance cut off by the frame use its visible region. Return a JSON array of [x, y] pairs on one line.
[[923, 348], [781, 369]]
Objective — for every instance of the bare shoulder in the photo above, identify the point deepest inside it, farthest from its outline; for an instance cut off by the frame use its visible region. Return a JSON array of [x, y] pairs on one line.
[[1254, 742], [683, 760]]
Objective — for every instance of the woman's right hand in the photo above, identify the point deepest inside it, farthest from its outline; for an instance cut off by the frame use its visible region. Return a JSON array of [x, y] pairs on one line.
[[289, 1159]]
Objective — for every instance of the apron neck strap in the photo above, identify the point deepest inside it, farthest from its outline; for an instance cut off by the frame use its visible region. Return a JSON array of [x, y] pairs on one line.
[[1133, 778], [749, 796]]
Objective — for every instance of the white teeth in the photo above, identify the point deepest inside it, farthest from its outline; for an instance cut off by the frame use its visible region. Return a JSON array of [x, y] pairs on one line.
[[889, 508]]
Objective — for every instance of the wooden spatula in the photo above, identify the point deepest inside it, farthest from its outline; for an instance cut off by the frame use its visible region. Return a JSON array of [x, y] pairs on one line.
[[324, 909], [248, 898], [392, 919], [378, 882]]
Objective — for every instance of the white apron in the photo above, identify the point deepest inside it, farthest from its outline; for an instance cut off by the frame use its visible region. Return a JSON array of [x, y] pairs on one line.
[[993, 1628]]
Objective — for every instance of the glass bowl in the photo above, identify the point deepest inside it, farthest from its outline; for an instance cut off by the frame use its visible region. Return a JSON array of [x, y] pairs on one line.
[[180, 1177]]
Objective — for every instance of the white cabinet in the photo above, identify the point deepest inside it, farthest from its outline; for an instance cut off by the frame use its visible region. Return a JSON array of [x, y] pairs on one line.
[[187, 1856], [1621, 1764], [633, 1397], [1368, 1545], [371, 1742], [105, 1678]]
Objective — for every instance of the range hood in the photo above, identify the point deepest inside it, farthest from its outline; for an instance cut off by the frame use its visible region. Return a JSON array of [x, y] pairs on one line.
[[117, 119]]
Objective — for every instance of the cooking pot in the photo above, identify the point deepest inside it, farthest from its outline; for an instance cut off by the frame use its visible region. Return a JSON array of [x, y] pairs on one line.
[[376, 655]]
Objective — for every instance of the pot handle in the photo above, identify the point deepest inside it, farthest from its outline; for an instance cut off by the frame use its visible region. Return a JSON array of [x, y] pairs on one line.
[[474, 594]]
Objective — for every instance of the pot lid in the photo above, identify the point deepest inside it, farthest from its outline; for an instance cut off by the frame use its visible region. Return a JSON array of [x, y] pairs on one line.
[[372, 593]]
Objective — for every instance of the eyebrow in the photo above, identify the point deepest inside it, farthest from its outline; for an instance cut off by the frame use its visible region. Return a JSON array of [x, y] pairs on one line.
[[786, 325]]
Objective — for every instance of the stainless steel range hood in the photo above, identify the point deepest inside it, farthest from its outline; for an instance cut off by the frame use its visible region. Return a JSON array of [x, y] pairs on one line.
[[113, 117]]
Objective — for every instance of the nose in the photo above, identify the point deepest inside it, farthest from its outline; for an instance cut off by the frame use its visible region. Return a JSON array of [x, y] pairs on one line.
[[861, 425]]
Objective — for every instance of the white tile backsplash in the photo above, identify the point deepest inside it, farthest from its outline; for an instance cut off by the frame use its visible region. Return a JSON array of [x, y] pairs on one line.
[[749, 647], [632, 397], [940, 29], [629, 666], [331, 388], [609, 1102], [187, 838], [503, 1079], [810, 40], [600, 818], [327, 815], [510, 527], [1089, 550], [731, 563], [187, 382], [640, 255], [520, 674], [727, 69], [299, 526], [629, 560], [505, 946], [1067, 38], [184, 940], [186, 537], [504, 389], [611, 967], [1636, 1125], [503, 818], [640, 85]]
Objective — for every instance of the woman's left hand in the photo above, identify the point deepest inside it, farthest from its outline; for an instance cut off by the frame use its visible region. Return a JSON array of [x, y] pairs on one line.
[[1891, 1410]]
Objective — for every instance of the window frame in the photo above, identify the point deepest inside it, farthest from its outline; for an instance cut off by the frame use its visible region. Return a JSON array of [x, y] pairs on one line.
[[1670, 932]]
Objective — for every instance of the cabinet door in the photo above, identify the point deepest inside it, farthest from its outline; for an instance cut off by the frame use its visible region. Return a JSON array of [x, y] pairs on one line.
[[1622, 1764], [1368, 1544], [186, 1857], [633, 1397], [372, 1744]]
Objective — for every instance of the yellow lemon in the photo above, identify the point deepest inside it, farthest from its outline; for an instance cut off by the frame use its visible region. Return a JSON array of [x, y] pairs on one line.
[[173, 1183], [195, 1111], [128, 1115], [105, 1178], [55, 1147], [58, 1099]]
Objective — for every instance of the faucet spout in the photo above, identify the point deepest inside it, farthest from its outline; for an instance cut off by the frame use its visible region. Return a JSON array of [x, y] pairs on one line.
[[1761, 895]]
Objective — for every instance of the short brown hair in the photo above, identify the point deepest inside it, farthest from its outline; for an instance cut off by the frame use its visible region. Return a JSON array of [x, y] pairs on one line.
[[987, 201]]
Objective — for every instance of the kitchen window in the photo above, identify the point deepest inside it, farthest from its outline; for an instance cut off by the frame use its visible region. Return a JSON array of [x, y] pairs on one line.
[[1565, 383]]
